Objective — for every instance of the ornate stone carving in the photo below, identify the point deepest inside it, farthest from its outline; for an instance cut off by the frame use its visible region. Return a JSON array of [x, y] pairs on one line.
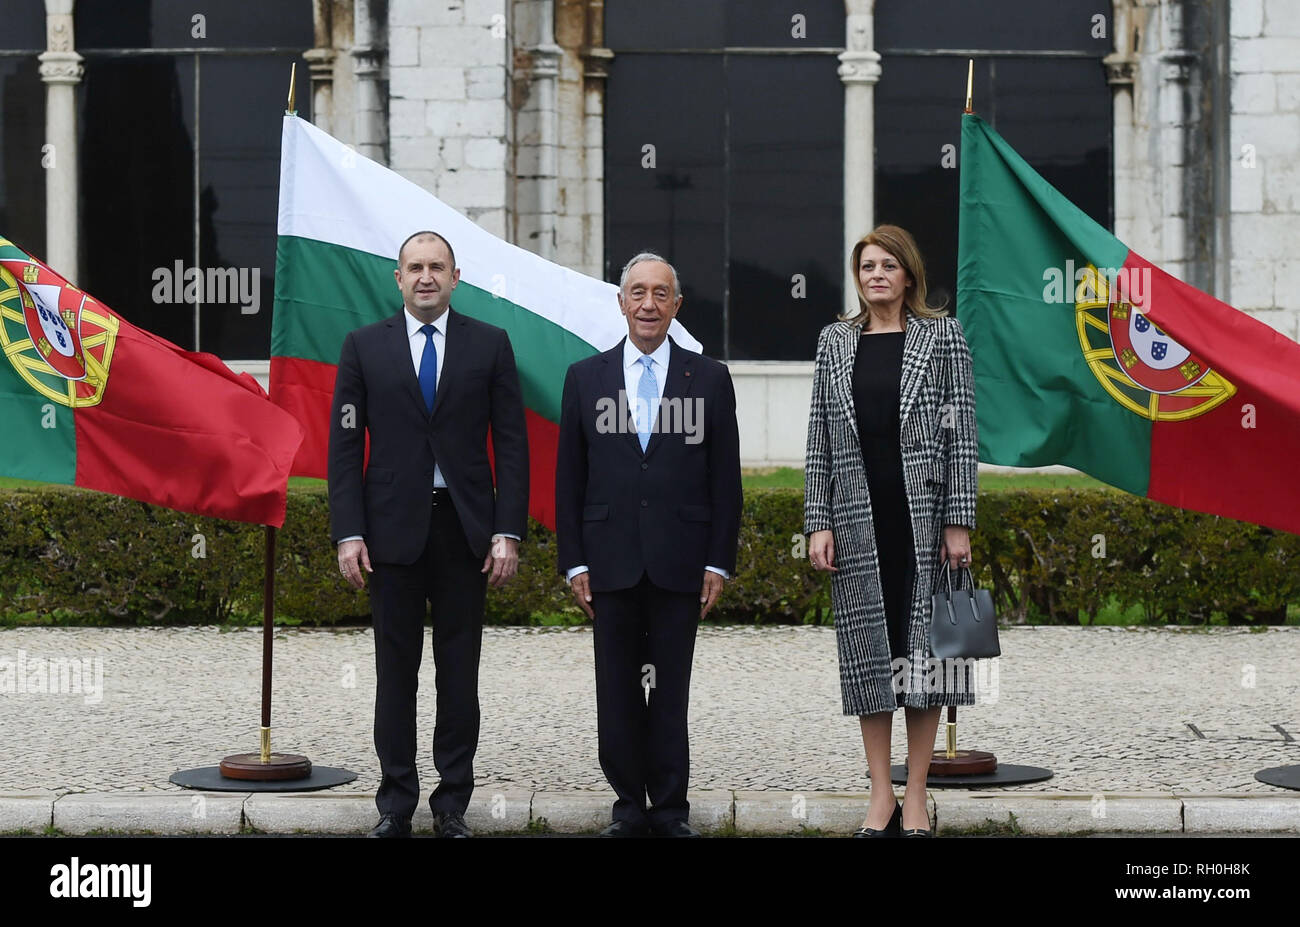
[[61, 67], [859, 67]]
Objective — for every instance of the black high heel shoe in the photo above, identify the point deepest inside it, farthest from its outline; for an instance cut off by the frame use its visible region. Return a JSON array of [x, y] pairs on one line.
[[893, 829], [914, 831]]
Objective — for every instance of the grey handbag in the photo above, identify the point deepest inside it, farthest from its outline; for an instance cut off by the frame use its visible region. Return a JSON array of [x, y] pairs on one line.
[[962, 623]]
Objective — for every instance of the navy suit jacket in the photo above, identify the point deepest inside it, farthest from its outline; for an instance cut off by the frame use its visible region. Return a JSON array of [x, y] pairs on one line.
[[668, 512], [389, 503]]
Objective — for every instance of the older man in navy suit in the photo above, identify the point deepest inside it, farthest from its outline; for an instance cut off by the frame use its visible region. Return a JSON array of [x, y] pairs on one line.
[[647, 498]]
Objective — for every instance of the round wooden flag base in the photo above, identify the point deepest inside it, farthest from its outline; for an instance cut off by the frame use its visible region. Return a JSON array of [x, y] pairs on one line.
[[278, 766], [965, 763]]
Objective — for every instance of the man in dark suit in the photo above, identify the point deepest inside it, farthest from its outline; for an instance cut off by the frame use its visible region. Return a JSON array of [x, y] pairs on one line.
[[422, 517], [647, 499]]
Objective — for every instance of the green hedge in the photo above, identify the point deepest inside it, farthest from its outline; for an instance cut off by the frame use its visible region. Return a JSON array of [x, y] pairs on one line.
[[74, 557]]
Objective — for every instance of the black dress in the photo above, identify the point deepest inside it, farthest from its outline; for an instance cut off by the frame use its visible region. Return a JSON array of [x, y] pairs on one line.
[[877, 379]]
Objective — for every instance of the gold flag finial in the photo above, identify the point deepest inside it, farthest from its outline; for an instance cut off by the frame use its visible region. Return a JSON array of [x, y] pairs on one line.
[[970, 83], [293, 83]]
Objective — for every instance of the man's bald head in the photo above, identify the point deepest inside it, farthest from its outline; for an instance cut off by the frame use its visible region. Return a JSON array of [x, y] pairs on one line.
[[426, 234]]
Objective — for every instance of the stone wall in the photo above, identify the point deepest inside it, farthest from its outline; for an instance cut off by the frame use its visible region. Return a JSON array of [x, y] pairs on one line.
[[1265, 231], [450, 122]]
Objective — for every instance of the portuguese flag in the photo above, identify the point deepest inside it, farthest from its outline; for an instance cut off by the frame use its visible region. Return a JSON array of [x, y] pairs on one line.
[[1086, 354], [342, 219], [89, 400]]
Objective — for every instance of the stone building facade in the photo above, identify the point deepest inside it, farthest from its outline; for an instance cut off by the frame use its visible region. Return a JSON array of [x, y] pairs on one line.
[[499, 107]]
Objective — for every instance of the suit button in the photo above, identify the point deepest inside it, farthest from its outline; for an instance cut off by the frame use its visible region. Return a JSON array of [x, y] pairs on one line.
[[644, 503], [645, 466]]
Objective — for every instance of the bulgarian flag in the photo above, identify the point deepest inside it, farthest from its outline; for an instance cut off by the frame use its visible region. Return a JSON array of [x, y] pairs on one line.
[[342, 219], [89, 400], [1086, 354]]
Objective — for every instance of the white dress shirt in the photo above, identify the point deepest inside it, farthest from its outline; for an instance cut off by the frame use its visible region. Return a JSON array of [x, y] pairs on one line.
[[417, 341], [633, 370]]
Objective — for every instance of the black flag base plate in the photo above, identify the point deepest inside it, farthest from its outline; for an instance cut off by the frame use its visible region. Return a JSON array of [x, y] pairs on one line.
[[1004, 774], [210, 779], [1286, 777]]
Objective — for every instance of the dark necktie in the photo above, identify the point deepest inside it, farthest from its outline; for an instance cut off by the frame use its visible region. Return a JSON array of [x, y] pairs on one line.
[[428, 367]]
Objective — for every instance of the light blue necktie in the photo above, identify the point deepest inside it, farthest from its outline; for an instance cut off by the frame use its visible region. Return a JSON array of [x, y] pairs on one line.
[[428, 367], [647, 395]]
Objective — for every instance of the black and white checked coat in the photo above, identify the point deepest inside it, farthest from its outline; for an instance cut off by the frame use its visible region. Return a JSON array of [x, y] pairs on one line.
[[940, 471]]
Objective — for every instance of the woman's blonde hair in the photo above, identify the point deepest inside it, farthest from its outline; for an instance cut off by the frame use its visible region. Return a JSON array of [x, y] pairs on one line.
[[900, 243]]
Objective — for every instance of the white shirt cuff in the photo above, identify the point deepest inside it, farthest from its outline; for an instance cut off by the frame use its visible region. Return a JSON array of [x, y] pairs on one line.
[[723, 573], [568, 577], [351, 537]]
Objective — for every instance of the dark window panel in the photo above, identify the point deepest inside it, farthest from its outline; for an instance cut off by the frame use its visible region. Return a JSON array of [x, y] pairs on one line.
[[786, 125], [676, 208], [22, 25], [717, 24], [239, 177], [22, 135], [170, 24], [992, 24], [916, 114], [768, 23], [665, 24], [136, 129]]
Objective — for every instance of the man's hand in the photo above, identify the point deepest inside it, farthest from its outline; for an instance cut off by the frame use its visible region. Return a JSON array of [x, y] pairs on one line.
[[502, 560], [352, 557], [955, 547], [709, 592], [581, 586]]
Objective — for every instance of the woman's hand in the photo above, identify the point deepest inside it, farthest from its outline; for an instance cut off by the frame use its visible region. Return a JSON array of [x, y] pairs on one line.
[[955, 548], [821, 551]]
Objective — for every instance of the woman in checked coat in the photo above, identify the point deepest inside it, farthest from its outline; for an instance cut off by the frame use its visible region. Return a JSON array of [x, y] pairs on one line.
[[890, 483]]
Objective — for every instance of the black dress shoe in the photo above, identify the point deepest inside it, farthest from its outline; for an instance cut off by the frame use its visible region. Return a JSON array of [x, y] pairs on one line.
[[391, 826], [451, 824], [676, 829], [917, 832], [623, 829], [893, 829]]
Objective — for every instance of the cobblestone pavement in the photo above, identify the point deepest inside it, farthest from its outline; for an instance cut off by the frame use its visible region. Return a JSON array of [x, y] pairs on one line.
[[1108, 710]]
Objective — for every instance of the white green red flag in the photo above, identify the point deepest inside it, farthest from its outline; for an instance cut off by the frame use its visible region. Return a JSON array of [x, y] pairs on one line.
[[342, 218]]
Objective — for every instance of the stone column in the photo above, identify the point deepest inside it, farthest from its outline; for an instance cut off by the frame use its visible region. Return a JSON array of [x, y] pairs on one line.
[[545, 75], [368, 54], [859, 70], [61, 71], [595, 72], [320, 61], [1121, 66]]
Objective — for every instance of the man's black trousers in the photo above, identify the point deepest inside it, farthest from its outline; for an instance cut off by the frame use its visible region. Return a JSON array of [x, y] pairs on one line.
[[450, 578], [645, 637]]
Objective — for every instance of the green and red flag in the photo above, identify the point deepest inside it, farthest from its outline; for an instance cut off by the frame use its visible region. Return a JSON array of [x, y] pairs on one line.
[[342, 219], [89, 400], [1088, 355]]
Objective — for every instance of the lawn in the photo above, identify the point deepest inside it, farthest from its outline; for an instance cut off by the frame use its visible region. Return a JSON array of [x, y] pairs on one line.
[[768, 477], [793, 477]]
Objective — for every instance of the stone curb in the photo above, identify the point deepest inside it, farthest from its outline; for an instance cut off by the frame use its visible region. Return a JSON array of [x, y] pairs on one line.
[[26, 811], [506, 809], [165, 813]]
